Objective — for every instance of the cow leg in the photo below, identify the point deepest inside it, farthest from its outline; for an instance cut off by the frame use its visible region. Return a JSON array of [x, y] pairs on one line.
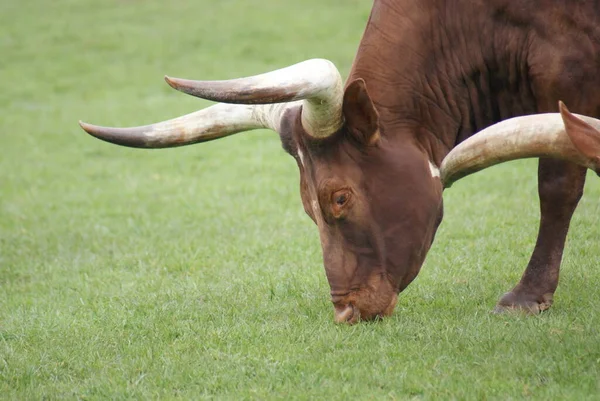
[[560, 187]]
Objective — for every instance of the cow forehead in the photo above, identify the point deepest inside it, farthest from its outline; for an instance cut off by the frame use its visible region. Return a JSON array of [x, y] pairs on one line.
[[433, 169]]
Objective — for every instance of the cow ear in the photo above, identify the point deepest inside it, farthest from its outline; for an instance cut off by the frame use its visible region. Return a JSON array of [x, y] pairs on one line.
[[362, 119], [585, 137]]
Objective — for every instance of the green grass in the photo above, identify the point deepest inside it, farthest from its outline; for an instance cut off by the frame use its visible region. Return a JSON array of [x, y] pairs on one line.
[[194, 273]]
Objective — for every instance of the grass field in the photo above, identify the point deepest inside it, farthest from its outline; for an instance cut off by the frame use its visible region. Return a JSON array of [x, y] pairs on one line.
[[193, 272]]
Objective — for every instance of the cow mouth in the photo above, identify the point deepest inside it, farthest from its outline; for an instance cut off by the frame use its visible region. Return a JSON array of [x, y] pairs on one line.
[[346, 314], [350, 313]]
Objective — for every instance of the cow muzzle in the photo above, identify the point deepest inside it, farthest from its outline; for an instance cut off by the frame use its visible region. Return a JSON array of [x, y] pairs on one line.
[[346, 314], [363, 306]]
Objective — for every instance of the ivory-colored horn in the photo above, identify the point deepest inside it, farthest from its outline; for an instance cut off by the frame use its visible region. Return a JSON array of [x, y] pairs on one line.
[[567, 136], [204, 125], [317, 82], [258, 102]]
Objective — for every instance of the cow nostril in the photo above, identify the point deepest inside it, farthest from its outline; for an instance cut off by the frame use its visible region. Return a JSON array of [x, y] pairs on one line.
[[345, 314]]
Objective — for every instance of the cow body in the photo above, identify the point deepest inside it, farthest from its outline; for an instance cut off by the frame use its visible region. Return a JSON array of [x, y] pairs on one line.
[[448, 69], [428, 74], [440, 71]]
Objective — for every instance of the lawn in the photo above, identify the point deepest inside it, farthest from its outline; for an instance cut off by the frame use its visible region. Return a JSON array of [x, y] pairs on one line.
[[193, 272]]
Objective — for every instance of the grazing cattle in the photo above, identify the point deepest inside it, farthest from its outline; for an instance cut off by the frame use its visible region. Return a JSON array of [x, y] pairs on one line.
[[376, 153]]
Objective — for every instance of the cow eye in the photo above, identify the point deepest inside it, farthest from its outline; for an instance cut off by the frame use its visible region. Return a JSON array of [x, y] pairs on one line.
[[341, 198]]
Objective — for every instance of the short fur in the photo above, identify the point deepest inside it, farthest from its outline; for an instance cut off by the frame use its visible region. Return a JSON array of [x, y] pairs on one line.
[[427, 75]]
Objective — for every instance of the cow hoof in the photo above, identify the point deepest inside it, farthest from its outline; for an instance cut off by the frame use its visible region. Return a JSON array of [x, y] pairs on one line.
[[527, 303]]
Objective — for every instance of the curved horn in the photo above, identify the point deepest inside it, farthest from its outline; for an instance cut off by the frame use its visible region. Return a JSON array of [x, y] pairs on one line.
[[317, 82], [204, 125], [563, 135]]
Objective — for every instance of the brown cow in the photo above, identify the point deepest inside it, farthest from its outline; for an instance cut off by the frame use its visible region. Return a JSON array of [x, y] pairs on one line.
[[437, 72]]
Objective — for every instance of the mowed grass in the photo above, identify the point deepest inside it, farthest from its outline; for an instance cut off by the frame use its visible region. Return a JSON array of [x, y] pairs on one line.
[[193, 272]]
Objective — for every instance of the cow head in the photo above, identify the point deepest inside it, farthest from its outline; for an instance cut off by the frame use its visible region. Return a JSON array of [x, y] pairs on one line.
[[376, 206], [376, 201]]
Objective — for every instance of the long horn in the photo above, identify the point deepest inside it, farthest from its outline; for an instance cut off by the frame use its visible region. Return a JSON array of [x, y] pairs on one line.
[[563, 135], [317, 82], [204, 125]]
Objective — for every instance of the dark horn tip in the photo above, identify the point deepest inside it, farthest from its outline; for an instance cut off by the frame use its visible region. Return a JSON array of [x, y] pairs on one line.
[[172, 82], [94, 130], [130, 137], [89, 128]]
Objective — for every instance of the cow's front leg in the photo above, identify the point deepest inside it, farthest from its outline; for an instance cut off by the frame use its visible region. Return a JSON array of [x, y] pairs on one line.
[[560, 186]]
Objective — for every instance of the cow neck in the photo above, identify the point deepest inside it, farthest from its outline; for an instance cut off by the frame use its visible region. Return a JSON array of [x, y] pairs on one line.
[[434, 81], [389, 62]]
